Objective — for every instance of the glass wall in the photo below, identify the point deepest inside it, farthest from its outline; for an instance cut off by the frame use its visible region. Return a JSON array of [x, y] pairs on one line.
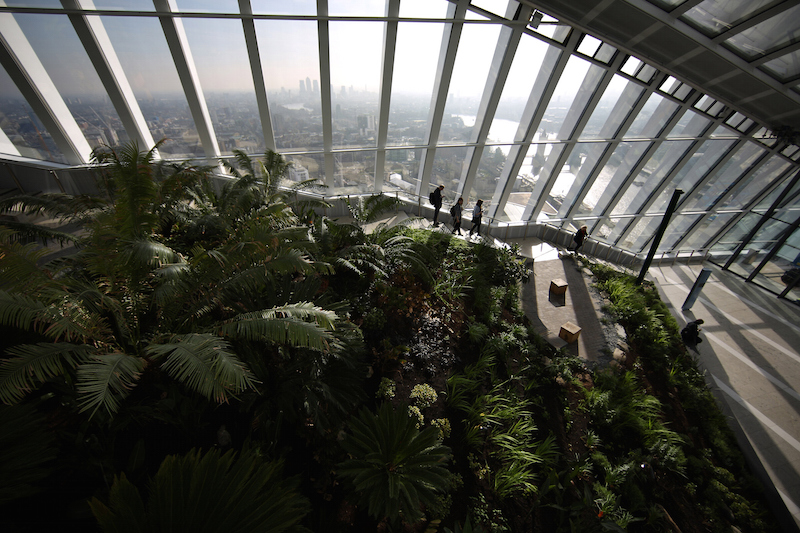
[[577, 129]]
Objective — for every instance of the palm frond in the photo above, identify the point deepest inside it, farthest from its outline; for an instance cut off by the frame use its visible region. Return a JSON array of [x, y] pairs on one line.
[[31, 364], [26, 232], [19, 264], [286, 325], [142, 253], [106, 380], [20, 311], [205, 363], [60, 206], [207, 492], [244, 161]]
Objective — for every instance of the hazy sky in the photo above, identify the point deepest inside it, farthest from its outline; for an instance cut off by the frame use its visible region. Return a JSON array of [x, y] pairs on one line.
[[289, 48]]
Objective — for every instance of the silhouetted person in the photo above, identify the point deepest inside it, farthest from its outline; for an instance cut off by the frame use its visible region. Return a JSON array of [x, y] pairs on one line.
[[436, 200], [578, 238], [477, 214], [456, 211], [691, 333]]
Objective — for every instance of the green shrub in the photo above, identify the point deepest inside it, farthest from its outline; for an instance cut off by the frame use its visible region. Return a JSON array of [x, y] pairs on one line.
[[423, 395]]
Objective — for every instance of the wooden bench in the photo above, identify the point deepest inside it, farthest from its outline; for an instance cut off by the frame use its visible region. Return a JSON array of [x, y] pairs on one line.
[[569, 332], [558, 287]]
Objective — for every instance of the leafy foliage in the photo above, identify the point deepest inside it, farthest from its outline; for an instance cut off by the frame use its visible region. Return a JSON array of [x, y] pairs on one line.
[[200, 492], [394, 468], [28, 451]]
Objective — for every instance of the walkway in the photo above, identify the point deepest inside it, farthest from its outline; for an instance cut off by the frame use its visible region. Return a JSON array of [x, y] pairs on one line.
[[751, 356]]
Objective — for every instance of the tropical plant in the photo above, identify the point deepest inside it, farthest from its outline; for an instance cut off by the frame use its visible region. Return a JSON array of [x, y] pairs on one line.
[[126, 304], [209, 491], [394, 468], [28, 451]]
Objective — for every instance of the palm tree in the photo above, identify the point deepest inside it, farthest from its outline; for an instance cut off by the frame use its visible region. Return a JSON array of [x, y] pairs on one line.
[[128, 304], [394, 468], [207, 492], [359, 249]]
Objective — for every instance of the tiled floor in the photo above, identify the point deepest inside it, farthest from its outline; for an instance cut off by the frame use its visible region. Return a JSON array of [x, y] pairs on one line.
[[752, 361]]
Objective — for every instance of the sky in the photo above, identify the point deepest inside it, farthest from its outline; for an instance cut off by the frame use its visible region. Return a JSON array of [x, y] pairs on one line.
[[289, 48]]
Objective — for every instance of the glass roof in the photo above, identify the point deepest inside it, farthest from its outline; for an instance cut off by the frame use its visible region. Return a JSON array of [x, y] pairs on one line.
[[492, 98]]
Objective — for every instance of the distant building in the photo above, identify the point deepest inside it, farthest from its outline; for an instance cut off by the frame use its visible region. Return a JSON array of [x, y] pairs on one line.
[[298, 173]]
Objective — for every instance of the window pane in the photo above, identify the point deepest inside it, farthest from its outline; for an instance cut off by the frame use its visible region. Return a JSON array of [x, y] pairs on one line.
[[574, 89], [516, 90], [208, 6], [448, 166], [652, 118], [355, 172], [284, 7], [125, 5], [690, 125], [784, 67], [757, 248], [705, 158], [218, 47], [470, 71], [525, 180], [361, 8], [716, 16], [144, 55], [489, 170], [24, 130], [734, 236], [423, 8], [355, 51], [618, 99], [402, 171], [412, 82], [768, 35], [66, 62], [576, 170], [307, 166], [652, 176], [723, 178], [676, 230], [782, 268], [710, 225], [612, 177], [290, 63]]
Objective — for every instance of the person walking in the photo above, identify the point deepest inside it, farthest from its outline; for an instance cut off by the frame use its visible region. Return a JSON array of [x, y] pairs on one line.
[[436, 200], [578, 239], [456, 211], [477, 214]]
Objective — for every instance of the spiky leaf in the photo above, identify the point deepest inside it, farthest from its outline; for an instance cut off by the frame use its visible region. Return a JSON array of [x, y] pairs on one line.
[[205, 363]]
